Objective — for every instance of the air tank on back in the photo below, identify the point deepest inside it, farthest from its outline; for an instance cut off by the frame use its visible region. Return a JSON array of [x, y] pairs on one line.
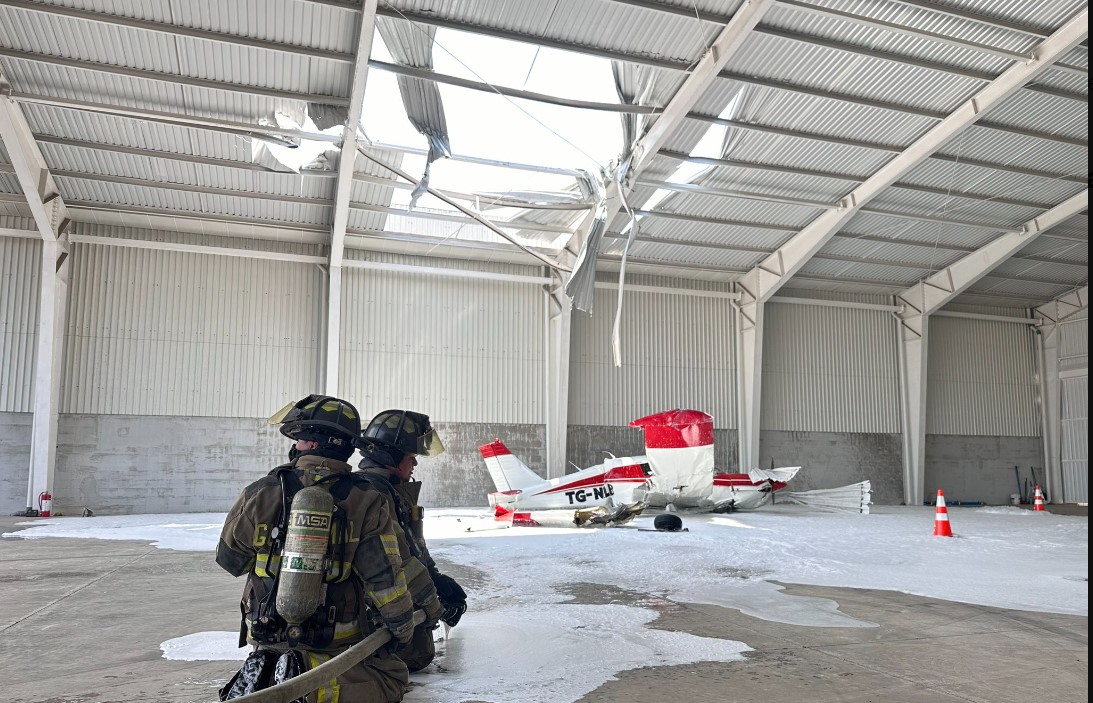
[[300, 584]]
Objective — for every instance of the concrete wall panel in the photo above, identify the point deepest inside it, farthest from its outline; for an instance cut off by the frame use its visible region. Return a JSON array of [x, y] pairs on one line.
[[980, 468], [15, 431], [830, 460]]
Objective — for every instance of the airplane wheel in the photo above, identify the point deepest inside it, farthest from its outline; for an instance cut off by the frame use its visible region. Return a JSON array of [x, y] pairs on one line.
[[667, 522]]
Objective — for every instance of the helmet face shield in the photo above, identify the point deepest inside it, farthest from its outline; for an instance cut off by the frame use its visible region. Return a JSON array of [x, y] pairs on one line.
[[279, 417], [430, 444]]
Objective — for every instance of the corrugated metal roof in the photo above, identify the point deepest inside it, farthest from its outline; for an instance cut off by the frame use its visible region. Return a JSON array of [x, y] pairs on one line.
[[93, 162], [1056, 272], [879, 272], [9, 183], [926, 258], [879, 38], [988, 212], [983, 144], [148, 235], [1049, 114], [868, 223], [861, 76], [991, 182], [818, 115], [124, 194], [874, 65], [136, 133]]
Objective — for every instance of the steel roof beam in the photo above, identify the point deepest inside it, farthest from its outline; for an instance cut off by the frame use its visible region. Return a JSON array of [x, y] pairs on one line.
[[174, 78], [833, 257], [880, 147], [771, 168], [894, 107], [243, 129], [1064, 307], [198, 222], [343, 192], [870, 211], [177, 30]]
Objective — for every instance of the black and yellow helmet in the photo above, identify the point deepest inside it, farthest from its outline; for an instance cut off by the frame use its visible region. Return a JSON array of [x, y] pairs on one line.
[[394, 433], [318, 418]]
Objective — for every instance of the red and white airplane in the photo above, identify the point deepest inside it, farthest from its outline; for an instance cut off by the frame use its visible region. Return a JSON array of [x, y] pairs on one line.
[[677, 470]]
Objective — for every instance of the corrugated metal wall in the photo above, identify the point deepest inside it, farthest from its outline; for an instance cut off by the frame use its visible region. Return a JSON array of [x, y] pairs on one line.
[[1074, 342], [170, 333], [459, 349], [20, 271], [1075, 439], [677, 352], [981, 379], [830, 369], [1073, 359]]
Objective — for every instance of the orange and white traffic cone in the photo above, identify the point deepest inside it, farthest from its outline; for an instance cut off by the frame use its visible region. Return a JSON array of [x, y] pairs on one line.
[[941, 519], [1038, 503]]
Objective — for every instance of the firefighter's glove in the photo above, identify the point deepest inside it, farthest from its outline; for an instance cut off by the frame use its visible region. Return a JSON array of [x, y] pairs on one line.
[[452, 598], [402, 632]]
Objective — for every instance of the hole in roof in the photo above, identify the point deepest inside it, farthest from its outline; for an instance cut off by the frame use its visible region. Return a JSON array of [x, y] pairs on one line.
[[495, 127]]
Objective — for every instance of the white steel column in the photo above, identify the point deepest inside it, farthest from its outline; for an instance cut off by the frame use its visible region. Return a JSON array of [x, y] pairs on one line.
[[48, 210], [1051, 316], [749, 376], [559, 323], [923, 299], [52, 306], [343, 193], [914, 342]]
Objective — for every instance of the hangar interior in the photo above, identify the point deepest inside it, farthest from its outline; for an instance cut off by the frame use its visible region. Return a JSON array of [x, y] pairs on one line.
[[853, 231]]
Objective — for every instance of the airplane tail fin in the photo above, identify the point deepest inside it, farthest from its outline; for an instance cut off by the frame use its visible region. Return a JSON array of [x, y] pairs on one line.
[[855, 498], [506, 470]]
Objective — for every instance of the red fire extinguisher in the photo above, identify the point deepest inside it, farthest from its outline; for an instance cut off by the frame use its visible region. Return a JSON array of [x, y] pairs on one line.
[[45, 504]]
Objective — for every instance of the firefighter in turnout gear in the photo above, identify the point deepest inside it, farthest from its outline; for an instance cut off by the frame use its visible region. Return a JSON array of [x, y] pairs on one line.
[[301, 607], [391, 444]]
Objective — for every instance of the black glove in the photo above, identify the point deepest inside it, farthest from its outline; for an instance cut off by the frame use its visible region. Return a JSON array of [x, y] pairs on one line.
[[452, 598], [402, 632]]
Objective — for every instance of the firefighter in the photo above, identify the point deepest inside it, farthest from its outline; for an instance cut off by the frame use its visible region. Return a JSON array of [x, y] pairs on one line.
[[391, 445], [360, 584]]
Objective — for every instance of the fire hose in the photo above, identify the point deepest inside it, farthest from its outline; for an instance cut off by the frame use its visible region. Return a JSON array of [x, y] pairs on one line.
[[309, 681]]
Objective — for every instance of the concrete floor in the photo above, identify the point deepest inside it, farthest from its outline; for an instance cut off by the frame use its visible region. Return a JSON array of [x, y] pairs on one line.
[[82, 622]]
